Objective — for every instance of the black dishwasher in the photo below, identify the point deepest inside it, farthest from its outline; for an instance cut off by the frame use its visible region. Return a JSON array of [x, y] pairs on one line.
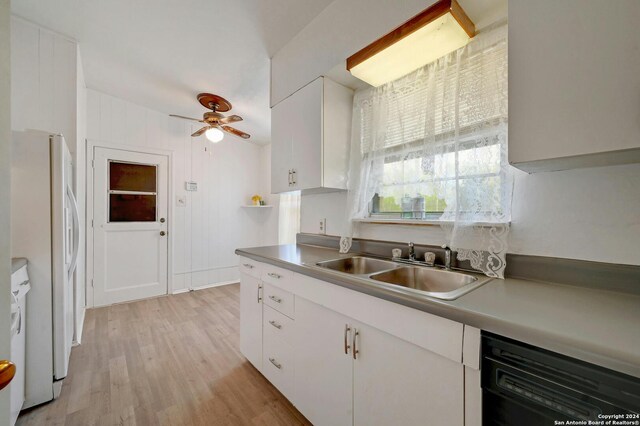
[[524, 385]]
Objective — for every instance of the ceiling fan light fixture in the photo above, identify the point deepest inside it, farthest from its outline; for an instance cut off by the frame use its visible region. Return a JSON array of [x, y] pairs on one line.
[[214, 135], [434, 32]]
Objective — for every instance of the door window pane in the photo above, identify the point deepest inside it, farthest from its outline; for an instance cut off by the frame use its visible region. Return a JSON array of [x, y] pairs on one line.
[[132, 177], [132, 208]]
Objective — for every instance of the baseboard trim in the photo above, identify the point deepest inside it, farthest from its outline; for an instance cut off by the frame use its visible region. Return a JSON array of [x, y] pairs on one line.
[[202, 287]]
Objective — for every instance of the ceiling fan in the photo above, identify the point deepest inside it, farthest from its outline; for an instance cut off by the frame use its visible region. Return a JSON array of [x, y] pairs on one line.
[[216, 123]]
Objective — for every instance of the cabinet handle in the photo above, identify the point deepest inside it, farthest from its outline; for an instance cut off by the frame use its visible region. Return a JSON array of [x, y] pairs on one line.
[[275, 299], [274, 275], [275, 324], [293, 176], [356, 333], [247, 265], [290, 177], [259, 298], [347, 329], [275, 363]]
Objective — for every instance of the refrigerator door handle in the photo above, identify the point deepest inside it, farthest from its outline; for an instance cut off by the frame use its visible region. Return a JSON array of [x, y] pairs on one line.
[[76, 231]]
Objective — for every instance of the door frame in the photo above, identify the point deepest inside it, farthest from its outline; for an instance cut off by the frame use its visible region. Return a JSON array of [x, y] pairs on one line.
[[91, 146]]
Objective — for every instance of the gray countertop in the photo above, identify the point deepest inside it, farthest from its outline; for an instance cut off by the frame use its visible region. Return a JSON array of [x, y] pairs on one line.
[[593, 325], [17, 263]]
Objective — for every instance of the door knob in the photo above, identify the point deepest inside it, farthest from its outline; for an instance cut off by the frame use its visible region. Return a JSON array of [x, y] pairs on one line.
[[162, 220], [7, 371], [162, 233]]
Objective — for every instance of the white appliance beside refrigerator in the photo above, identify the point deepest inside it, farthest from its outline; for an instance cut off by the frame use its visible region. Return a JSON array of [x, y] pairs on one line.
[[44, 229]]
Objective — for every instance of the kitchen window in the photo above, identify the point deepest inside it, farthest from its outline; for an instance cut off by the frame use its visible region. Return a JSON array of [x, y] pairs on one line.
[[431, 147], [408, 192]]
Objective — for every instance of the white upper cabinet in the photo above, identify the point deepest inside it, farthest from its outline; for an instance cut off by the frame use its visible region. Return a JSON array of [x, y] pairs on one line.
[[574, 83], [310, 135]]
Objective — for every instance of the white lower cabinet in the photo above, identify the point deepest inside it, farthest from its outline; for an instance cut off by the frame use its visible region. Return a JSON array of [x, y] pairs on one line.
[[251, 319], [387, 381], [324, 369], [397, 382], [346, 358]]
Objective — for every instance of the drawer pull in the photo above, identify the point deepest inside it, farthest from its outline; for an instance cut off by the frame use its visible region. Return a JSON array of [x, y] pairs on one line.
[[356, 333], [275, 324], [275, 298], [247, 265], [259, 298], [347, 329], [275, 363], [274, 275]]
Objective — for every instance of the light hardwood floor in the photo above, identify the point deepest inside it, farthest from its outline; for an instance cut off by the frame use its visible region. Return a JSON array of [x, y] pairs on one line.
[[172, 360]]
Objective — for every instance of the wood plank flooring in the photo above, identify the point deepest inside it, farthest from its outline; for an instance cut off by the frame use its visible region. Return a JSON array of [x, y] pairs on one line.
[[172, 360]]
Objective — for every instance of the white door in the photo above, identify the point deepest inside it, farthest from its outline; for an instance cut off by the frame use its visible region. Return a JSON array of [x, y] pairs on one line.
[[397, 382], [323, 365], [130, 225], [251, 319]]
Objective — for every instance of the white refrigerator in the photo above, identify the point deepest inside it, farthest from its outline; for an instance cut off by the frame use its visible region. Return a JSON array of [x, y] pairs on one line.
[[44, 229]]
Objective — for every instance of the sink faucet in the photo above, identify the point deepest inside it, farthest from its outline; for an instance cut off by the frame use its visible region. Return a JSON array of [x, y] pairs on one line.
[[412, 252], [447, 257]]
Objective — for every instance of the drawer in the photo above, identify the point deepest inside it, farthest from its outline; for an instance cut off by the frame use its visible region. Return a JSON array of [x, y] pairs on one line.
[[279, 277], [277, 325], [250, 267], [277, 365], [280, 300]]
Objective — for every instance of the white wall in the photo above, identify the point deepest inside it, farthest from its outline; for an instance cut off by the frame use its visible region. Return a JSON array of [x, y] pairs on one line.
[[43, 84], [5, 189], [270, 236], [213, 223], [588, 214]]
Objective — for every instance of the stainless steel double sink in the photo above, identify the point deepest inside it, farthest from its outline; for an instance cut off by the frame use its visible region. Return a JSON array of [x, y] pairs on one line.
[[428, 281]]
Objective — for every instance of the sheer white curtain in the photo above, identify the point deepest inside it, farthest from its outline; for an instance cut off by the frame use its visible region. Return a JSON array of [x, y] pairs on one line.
[[289, 217], [439, 136]]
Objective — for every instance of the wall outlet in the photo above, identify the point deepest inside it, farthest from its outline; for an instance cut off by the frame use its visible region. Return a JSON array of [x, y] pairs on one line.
[[181, 201], [323, 226]]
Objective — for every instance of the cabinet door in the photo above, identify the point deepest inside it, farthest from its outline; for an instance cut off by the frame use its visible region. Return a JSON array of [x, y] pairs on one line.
[[323, 372], [251, 319], [574, 85], [307, 135], [396, 382], [282, 118]]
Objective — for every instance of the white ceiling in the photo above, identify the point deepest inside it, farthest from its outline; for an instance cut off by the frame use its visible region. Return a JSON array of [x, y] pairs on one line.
[[161, 53]]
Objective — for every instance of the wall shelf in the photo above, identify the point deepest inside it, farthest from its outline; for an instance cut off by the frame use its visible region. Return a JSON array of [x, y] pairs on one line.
[[257, 207]]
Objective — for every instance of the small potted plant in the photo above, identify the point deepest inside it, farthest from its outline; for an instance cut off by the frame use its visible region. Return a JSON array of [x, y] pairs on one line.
[[256, 199]]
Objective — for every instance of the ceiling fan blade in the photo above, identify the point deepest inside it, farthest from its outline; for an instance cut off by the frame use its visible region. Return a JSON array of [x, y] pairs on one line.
[[186, 118], [236, 132], [201, 131], [230, 119]]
